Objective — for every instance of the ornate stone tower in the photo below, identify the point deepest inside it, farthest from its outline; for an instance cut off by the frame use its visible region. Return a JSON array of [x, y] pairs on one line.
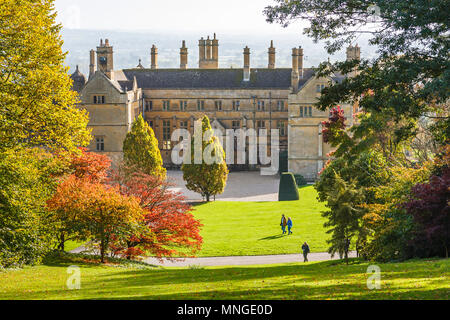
[[208, 53], [353, 53], [105, 60]]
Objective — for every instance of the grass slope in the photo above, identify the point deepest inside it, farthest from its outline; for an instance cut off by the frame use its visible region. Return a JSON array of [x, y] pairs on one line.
[[253, 228], [421, 279]]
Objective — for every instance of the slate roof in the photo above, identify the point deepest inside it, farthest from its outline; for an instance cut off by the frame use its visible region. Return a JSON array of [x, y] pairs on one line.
[[211, 78], [79, 80]]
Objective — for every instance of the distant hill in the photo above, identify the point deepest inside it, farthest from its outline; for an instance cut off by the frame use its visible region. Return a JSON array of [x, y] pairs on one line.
[[131, 46]]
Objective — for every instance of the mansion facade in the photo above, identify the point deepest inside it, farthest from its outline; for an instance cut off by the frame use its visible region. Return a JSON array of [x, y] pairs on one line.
[[232, 98]]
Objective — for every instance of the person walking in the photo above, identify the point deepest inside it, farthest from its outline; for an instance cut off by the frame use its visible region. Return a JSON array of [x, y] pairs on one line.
[[305, 249], [289, 225], [283, 223]]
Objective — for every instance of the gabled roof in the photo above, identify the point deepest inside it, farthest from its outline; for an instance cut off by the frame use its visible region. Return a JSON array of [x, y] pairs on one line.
[[260, 78]]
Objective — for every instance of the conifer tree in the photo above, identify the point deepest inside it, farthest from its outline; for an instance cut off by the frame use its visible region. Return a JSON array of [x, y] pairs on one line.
[[344, 216], [206, 179], [140, 150]]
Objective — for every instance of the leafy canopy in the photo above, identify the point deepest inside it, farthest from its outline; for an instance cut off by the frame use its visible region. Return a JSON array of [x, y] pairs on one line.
[[37, 105], [140, 150], [206, 179]]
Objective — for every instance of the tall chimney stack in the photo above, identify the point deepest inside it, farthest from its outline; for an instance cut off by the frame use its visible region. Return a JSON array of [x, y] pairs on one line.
[[246, 63], [215, 51], [154, 55], [294, 74], [91, 63], [300, 62], [208, 49], [201, 52], [271, 56], [183, 56]]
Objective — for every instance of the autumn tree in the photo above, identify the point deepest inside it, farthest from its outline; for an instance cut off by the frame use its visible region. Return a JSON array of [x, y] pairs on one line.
[[209, 176], [37, 115], [430, 209], [140, 150], [89, 166], [37, 105], [168, 217], [97, 212]]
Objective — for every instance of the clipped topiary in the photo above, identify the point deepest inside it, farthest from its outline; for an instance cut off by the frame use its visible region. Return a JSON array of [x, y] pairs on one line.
[[300, 180], [288, 188]]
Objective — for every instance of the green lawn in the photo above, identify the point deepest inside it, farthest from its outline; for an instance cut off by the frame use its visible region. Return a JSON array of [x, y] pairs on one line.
[[71, 245], [253, 228], [421, 279]]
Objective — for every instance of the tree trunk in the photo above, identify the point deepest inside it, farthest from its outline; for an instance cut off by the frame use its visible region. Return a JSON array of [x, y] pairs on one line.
[[207, 197], [61, 243], [102, 251]]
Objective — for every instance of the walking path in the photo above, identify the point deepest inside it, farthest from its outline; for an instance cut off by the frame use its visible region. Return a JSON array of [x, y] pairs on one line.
[[236, 260], [244, 260]]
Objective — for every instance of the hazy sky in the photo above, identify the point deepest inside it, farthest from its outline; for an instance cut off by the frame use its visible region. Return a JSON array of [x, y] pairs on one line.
[[230, 16]]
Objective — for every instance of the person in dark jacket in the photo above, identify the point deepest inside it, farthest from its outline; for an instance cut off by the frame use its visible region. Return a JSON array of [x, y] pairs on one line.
[[283, 223], [305, 249], [289, 225]]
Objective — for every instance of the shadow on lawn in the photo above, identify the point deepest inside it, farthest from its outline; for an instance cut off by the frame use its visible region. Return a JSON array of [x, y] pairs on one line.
[[320, 280], [278, 236]]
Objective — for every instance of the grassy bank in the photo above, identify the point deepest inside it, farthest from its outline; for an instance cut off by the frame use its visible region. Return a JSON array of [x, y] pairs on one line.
[[421, 279], [253, 228]]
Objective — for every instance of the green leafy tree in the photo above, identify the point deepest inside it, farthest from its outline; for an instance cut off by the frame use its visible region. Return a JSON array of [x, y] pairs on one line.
[[407, 80], [37, 104], [140, 150], [344, 216], [206, 179], [26, 180]]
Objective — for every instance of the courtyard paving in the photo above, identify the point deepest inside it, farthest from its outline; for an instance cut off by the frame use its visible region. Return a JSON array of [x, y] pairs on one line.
[[241, 186]]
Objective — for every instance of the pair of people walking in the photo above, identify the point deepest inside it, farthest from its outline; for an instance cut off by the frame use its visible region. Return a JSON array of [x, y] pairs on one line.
[[286, 223]]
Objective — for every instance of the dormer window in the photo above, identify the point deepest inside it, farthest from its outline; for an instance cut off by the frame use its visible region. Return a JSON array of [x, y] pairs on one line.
[[99, 99]]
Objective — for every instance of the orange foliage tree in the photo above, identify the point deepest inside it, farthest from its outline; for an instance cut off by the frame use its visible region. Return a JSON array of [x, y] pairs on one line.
[[96, 211], [168, 218]]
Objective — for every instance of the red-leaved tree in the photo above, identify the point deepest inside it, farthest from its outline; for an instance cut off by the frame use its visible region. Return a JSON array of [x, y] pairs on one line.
[[334, 127], [175, 232], [87, 166], [429, 206], [94, 211]]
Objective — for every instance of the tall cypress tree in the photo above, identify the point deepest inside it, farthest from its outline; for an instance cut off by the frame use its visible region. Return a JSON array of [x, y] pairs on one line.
[[140, 150]]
